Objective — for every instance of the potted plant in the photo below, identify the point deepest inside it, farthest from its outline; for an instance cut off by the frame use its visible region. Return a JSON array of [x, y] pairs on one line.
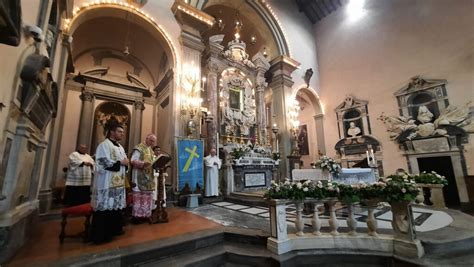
[[435, 183]]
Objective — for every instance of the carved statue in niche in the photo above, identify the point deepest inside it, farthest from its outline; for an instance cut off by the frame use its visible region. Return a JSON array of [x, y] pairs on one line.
[[353, 130], [424, 115]]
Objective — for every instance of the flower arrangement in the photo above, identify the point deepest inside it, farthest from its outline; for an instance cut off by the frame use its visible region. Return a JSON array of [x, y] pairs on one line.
[[395, 188], [430, 178], [275, 156], [400, 188], [239, 151], [329, 164]]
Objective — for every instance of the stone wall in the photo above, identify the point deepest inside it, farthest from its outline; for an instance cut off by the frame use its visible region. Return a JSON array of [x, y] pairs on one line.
[[375, 55]]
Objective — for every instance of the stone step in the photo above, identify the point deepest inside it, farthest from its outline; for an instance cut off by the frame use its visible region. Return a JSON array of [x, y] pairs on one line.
[[172, 249], [247, 199]]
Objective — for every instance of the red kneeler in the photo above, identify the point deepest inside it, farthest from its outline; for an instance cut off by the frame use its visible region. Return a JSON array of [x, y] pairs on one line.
[[79, 210]]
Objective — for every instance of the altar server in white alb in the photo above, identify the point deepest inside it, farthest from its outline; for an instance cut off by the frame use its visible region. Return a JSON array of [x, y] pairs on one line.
[[213, 164], [108, 189]]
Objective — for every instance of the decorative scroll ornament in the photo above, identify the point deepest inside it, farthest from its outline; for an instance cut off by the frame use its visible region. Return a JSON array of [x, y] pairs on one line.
[[403, 128]]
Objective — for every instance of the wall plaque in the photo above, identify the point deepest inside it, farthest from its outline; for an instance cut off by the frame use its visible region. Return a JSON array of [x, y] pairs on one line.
[[254, 179]]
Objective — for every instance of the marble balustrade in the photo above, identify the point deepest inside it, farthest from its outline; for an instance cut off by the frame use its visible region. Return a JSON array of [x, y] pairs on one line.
[[285, 238]]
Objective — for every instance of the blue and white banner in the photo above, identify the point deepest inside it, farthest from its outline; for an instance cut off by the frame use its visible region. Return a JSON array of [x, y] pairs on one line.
[[190, 163]]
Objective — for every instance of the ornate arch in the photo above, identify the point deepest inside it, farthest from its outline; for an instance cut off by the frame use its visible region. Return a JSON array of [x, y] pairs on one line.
[[90, 10]]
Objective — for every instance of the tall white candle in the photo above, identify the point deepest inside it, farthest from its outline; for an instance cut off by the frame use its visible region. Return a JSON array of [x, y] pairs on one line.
[[368, 157], [277, 149], [217, 144], [372, 155]]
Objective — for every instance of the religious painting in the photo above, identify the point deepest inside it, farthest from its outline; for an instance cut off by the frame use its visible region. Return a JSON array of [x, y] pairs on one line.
[[10, 22], [106, 113], [303, 140], [234, 98], [190, 164]]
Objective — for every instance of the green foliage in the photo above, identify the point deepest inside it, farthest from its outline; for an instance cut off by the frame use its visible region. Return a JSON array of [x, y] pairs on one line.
[[430, 178], [400, 188], [239, 152], [395, 188], [327, 163]]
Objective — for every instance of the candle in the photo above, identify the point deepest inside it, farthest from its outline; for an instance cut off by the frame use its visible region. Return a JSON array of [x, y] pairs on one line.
[[217, 144], [277, 149], [372, 155], [368, 157]]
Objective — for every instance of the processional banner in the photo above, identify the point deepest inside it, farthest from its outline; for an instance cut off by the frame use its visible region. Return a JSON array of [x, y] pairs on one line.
[[190, 163]]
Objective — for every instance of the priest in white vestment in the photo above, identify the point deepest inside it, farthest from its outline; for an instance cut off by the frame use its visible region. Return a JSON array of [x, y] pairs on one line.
[[79, 177], [108, 189], [213, 164], [143, 181]]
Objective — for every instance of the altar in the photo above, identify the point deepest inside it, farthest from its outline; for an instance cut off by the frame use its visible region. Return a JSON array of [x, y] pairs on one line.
[[253, 173]]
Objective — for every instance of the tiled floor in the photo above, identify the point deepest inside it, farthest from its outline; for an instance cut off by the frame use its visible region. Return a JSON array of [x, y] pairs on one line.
[[425, 219], [44, 245]]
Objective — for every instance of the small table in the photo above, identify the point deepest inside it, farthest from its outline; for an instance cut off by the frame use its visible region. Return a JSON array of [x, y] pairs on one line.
[[192, 200]]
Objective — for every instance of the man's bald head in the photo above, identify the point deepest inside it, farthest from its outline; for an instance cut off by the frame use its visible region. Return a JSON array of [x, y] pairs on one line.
[[82, 148], [150, 140]]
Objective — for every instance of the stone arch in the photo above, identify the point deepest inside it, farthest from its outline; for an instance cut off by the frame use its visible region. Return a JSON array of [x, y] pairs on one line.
[[312, 95], [93, 10], [108, 111], [318, 115]]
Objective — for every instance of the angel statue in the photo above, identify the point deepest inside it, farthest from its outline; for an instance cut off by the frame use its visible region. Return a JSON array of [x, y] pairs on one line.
[[454, 116], [400, 126]]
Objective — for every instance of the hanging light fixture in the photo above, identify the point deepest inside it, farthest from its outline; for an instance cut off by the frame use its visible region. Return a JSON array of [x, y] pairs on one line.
[[220, 22], [237, 26], [126, 50]]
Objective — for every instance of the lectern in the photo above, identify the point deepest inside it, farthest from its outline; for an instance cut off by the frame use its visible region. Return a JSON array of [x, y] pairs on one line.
[[160, 215]]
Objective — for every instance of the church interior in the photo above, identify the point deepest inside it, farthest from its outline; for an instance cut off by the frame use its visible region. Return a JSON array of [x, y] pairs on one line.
[[289, 132]]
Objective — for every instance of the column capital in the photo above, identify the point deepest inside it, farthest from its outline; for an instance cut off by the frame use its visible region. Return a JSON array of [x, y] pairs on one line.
[[283, 65], [66, 39], [86, 96], [139, 105], [318, 116], [192, 41], [212, 66], [190, 18]]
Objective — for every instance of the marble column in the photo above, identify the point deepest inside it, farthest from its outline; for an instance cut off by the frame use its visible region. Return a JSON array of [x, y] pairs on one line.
[[48, 178], [136, 125], [213, 105], [192, 22], [262, 66], [87, 118], [281, 68]]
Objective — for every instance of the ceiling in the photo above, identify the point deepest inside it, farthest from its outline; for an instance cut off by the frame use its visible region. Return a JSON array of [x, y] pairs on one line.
[[106, 37], [316, 10], [253, 25]]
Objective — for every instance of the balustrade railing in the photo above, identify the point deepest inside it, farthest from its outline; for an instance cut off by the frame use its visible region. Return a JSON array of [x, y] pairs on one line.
[[401, 242]]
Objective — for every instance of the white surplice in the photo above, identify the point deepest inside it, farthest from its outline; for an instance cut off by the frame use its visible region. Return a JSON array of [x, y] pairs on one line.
[[212, 175], [108, 191]]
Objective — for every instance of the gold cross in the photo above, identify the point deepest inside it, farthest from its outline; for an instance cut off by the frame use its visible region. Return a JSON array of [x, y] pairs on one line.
[[192, 154]]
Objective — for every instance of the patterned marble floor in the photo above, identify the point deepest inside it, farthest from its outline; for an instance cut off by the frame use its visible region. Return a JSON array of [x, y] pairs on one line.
[[425, 219]]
